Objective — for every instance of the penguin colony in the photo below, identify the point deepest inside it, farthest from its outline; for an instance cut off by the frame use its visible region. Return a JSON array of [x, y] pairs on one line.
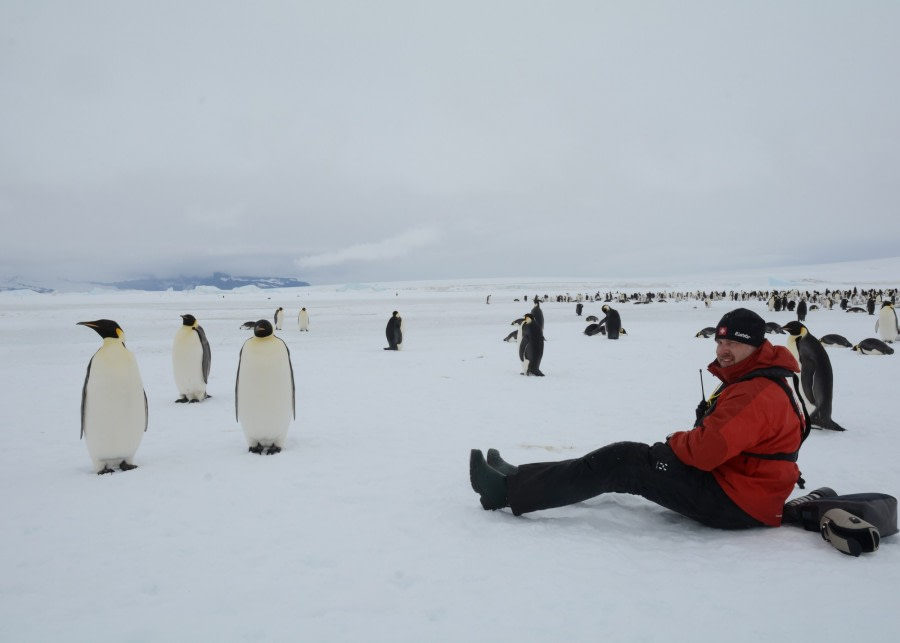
[[114, 409]]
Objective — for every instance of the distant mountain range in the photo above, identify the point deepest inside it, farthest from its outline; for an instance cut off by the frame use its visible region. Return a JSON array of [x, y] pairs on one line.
[[219, 280]]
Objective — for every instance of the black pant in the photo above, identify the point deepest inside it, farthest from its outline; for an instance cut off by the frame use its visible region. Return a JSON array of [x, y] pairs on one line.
[[653, 472]]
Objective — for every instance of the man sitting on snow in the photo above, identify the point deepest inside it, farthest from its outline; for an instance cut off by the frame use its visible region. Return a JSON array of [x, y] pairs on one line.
[[735, 469]]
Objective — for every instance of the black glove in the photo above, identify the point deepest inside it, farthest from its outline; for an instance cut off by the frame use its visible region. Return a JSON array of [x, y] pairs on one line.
[[702, 408]]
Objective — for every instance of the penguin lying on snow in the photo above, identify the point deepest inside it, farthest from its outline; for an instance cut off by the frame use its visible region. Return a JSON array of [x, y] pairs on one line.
[[113, 402], [593, 329], [774, 327], [816, 376], [833, 339], [709, 331], [264, 395], [248, 325], [591, 318], [191, 358], [872, 346]]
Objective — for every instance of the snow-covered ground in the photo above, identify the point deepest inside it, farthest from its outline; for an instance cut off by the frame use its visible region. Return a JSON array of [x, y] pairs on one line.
[[365, 527]]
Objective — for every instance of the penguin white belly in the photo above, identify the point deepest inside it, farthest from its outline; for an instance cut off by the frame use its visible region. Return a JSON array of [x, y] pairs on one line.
[[115, 413], [303, 320], [265, 392], [887, 324], [187, 364], [791, 345]]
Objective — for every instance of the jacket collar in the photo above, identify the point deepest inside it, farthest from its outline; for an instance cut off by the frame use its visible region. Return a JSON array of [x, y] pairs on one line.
[[766, 356]]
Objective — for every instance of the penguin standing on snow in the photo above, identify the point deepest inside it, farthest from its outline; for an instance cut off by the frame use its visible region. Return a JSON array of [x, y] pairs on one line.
[[113, 403], [279, 318], [816, 376], [264, 395], [191, 359], [531, 346], [537, 314], [394, 332], [303, 320], [612, 322], [886, 324]]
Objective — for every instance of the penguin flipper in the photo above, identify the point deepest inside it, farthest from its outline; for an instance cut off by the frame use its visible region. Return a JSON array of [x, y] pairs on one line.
[[87, 376], [207, 353]]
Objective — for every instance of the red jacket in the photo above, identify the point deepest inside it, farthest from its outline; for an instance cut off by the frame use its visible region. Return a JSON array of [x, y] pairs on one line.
[[753, 416]]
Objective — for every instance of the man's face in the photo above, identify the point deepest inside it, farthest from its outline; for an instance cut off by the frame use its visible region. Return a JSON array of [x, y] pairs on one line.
[[729, 352]]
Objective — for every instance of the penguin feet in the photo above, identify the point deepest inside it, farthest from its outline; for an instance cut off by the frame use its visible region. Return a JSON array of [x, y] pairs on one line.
[[487, 482], [124, 466], [272, 450], [105, 469], [258, 449], [181, 400]]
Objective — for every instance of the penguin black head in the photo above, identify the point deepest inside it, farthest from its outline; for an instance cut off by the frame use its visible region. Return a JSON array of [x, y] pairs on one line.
[[263, 328], [106, 328], [795, 328], [188, 320]]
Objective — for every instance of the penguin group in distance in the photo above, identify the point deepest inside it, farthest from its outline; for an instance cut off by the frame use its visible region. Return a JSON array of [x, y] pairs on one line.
[[114, 411]]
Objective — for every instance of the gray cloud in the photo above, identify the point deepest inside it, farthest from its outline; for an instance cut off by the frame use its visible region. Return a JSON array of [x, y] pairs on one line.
[[313, 139]]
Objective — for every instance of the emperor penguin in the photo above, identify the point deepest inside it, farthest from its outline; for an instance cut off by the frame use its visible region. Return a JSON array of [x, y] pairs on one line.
[[872, 346], [816, 376], [303, 320], [264, 395], [279, 318], [537, 314], [113, 402], [833, 339], [886, 324], [191, 359], [612, 322], [394, 332], [531, 346]]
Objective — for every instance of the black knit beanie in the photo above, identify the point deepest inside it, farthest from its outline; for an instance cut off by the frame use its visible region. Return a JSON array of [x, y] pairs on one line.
[[742, 325]]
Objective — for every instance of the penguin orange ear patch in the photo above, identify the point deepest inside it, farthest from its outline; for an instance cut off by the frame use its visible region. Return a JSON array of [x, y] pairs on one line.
[[120, 333]]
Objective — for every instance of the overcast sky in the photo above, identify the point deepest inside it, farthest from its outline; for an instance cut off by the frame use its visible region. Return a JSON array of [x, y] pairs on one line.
[[380, 140]]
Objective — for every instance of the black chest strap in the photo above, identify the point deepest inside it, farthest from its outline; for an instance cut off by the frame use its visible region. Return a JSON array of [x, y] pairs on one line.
[[778, 376]]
